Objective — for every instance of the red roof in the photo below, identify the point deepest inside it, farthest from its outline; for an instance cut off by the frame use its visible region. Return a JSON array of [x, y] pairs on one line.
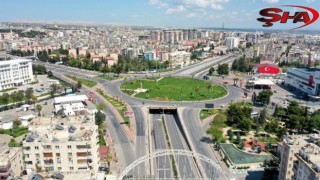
[[103, 151]]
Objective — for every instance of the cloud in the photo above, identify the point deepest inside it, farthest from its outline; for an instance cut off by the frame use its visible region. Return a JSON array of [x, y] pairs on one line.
[[271, 1], [213, 4], [310, 1], [158, 3], [135, 16], [191, 15], [178, 9]]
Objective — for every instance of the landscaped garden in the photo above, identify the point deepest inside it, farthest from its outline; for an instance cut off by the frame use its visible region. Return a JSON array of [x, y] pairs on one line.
[[83, 81], [173, 89], [117, 104]]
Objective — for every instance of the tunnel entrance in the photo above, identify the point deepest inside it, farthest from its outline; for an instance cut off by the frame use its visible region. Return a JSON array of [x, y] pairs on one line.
[[162, 110]]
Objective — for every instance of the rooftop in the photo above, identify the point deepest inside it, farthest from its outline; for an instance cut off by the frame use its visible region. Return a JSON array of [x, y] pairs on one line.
[[70, 98], [14, 61], [72, 128]]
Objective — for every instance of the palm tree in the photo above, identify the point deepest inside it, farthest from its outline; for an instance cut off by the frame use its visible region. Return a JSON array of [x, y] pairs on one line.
[[209, 86], [108, 159], [34, 100], [39, 108]]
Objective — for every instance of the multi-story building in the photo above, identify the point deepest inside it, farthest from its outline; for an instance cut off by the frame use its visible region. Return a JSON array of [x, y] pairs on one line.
[[11, 161], [67, 145], [232, 42], [15, 73], [299, 157], [150, 55], [179, 58], [306, 81]]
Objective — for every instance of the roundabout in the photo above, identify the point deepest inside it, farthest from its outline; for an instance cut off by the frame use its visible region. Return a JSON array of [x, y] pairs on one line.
[[173, 89]]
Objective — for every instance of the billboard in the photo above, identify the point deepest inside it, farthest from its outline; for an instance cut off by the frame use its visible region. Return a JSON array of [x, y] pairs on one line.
[[268, 69]]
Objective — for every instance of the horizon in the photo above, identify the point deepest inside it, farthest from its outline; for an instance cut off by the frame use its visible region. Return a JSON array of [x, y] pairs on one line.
[[154, 13]]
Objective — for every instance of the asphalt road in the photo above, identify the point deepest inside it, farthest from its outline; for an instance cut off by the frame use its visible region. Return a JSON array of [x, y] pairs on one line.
[[163, 164], [185, 165], [207, 64], [200, 141]]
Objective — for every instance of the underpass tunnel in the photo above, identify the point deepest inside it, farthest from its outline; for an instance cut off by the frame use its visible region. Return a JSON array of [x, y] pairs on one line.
[[162, 110]]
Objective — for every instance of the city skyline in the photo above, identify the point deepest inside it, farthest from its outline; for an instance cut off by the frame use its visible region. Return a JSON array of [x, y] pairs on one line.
[[156, 13]]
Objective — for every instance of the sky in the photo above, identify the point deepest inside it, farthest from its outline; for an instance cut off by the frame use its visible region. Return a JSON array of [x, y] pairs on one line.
[[158, 13]]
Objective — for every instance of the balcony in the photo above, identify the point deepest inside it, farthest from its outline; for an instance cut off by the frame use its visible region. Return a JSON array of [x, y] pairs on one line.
[[82, 154], [48, 162], [48, 155]]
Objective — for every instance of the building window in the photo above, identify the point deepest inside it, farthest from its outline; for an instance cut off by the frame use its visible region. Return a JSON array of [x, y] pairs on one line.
[[69, 147], [57, 147], [37, 155], [36, 147], [71, 168], [58, 154], [59, 168]]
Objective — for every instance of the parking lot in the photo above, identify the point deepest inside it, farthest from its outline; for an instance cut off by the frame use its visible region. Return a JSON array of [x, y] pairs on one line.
[[42, 87]]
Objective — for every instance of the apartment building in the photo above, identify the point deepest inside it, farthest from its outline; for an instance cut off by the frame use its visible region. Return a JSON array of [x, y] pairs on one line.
[[15, 73], [300, 159], [179, 58], [67, 145], [11, 161], [232, 42]]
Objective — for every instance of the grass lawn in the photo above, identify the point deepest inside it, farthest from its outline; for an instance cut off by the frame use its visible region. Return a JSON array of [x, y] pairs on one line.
[[204, 113], [44, 94], [108, 77], [102, 142], [83, 81], [62, 83], [15, 132], [6, 90], [176, 89]]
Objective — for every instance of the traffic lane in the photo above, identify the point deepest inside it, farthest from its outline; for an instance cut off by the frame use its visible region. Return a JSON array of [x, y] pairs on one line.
[[184, 164], [140, 143], [204, 65], [199, 139], [68, 68], [163, 163]]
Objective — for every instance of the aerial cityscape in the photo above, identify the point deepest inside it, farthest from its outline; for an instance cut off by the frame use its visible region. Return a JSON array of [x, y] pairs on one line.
[[159, 89]]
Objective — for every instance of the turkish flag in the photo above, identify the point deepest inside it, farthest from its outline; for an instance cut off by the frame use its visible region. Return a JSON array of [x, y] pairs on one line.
[[267, 69], [310, 80]]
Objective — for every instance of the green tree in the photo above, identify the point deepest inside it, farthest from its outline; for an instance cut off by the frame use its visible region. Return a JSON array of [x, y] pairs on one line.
[[34, 100], [264, 96], [50, 74], [231, 136], [16, 124], [223, 69], [108, 159], [53, 90], [211, 71], [29, 93], [245, 124], [262, 116], [38, 108], [254, 97], [79, 85], [100, 117]]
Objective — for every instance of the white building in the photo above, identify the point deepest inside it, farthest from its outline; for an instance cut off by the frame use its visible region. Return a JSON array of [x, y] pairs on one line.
[[306, 81], [232, 42], [67, 145], [15, 73], [179, 58], [11, 161], [70, 104], [300, 159]]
